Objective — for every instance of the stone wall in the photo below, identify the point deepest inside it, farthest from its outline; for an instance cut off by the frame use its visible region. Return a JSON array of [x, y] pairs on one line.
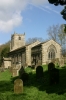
[[6, 62], [18, 57], [28, 52], [36, 55], [45, 47]]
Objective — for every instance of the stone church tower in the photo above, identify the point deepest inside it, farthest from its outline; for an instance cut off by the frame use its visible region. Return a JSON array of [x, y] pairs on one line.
[[17, 41]]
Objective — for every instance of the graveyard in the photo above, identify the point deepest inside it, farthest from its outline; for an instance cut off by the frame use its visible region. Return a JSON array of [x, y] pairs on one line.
[[36, 87]]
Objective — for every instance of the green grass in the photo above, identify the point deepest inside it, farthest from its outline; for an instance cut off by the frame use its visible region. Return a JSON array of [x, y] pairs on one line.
[[5, 75], [33, 89]]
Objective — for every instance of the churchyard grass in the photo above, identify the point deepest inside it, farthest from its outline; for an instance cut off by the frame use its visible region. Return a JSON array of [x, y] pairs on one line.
[[4, 76], [33, 89]]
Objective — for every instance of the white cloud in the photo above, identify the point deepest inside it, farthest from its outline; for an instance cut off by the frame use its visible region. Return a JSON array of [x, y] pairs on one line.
[[39, 2], [8, 25], [10, 12]]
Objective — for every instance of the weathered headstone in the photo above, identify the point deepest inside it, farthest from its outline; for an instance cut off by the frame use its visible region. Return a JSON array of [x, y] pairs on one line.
[[10, 69], [57, 61], [14, 72], [61, 62], [18, 66], [39, 72], [2, 69], [18, 86]]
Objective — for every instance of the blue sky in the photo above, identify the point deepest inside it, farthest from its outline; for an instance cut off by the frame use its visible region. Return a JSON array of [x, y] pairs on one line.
[[30, 16]]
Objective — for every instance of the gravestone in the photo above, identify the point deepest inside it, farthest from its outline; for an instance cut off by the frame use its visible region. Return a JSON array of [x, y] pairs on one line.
[[57, 62], [18, 86], [23, 75], [21, 71], [39, 72], [14, 72], [10, 69], [51, 66], [18, 66], [2, 69], [61, 62], [54, 76]]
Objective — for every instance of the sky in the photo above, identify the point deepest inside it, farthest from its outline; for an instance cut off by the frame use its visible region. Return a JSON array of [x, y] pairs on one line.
[[33, 17]]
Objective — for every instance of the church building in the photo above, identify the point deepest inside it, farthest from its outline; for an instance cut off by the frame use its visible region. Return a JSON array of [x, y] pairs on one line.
[[36, 53]]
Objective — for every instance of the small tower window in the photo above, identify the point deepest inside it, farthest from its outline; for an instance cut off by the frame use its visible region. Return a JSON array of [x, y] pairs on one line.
[[19, 38]]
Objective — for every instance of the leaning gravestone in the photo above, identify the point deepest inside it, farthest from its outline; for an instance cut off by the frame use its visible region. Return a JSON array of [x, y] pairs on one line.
[[18, 86], [39, 72]]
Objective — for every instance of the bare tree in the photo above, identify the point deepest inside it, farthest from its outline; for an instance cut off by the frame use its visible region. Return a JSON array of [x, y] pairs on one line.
[[31, 40], [56, 32], [61, 35], [53, 32]]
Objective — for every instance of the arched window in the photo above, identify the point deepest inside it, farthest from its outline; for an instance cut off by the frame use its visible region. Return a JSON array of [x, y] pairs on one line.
[[51, 53]]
